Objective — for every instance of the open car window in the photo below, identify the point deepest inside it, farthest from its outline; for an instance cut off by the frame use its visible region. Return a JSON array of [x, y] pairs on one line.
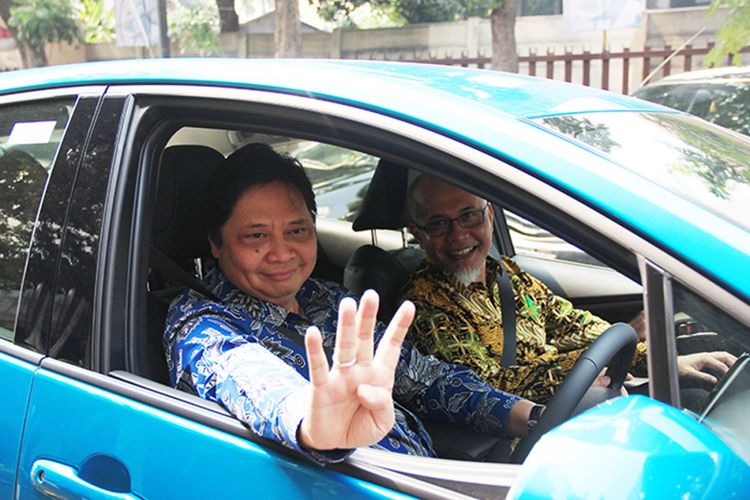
[[531, 240], [703, 327], [340, 177]]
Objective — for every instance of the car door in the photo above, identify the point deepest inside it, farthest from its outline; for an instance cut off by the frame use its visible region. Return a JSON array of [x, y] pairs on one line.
[[95, 429], [34, 126]]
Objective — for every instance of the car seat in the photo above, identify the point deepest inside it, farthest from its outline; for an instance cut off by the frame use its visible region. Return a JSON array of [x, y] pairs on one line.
[[183, 173], [383, 207]]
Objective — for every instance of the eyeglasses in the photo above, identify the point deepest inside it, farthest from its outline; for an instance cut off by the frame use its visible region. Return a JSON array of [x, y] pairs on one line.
[[467, 220]]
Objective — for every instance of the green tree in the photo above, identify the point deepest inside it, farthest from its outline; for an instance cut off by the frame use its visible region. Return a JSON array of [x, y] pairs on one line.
[[97, 22], [734, 31], [408, 11], [194, 28], [34, 23], [502, 14]]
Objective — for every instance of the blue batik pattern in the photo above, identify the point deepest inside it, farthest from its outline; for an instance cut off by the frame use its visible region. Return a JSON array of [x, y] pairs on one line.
[[232, 352]]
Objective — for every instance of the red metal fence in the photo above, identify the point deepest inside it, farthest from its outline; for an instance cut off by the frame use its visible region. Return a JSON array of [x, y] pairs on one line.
[[649, 57]]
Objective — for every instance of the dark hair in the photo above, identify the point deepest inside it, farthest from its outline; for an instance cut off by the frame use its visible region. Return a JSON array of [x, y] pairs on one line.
[[252, 165]]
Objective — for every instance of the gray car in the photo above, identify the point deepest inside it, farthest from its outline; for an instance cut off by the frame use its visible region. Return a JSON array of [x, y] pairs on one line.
[[720, 95]]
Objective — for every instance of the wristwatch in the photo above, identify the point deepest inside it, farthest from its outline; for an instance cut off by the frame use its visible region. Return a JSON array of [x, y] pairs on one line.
[[534, 414]]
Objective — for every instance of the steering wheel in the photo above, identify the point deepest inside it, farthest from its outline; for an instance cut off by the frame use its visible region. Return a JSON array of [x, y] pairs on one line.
[[613, 349]]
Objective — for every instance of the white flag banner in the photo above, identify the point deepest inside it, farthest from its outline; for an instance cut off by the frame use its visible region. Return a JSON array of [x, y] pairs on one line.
[[598, 15], [137, 23]]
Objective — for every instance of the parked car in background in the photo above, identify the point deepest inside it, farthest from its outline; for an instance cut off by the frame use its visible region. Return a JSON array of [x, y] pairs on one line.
[[101, 170], [719, 95]]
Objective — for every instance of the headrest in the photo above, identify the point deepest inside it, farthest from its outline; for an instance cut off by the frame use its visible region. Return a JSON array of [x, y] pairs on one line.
[[384, 205], [372, 267], [183, 174]]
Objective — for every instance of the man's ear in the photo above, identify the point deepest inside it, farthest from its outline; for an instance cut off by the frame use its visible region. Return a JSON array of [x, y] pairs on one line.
[[417, 233], [215, 250], [491, 213]]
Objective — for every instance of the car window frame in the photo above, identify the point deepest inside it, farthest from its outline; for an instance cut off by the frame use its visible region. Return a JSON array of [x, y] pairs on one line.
[[375, 133]]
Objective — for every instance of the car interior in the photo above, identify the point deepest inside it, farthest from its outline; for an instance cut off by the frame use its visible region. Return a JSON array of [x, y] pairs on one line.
[[363, 243]]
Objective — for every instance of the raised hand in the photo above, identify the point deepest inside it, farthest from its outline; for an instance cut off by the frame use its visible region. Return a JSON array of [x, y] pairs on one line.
[[351, 403]]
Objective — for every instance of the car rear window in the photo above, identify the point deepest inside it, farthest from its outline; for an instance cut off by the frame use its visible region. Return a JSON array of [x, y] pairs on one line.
[[30, 134]]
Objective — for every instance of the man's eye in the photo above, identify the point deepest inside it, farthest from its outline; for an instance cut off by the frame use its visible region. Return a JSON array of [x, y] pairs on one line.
[[255, 236], [299, 232], [468, 216], [437, 224]]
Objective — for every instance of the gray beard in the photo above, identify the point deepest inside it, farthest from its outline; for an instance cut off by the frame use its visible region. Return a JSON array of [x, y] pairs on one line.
[[467, 276]]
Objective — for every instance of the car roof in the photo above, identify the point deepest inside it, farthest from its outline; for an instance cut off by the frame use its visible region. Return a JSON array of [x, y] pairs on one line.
[[365, 82], [490, 110]]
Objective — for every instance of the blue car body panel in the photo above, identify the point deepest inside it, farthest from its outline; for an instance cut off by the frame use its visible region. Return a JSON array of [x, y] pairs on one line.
[[93, 426], [16, 377], [632, 447], [486, 109]]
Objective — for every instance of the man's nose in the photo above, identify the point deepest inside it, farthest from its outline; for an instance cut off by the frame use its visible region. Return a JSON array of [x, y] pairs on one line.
[[280, 250]]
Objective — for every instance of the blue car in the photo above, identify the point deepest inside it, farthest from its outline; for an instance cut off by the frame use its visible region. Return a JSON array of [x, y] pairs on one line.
[[619, 205]]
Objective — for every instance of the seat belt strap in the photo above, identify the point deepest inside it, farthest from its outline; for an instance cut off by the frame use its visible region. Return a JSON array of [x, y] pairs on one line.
[[509, 318], [175, 273], [295, 337]]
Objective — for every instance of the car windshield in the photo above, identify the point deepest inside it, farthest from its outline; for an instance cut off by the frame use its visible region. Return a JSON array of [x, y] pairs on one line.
[[726, 104], [689, 157]]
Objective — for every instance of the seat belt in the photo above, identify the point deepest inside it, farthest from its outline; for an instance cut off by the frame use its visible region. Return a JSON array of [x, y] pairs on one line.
[[290, 334], [175, 273], [509, 317]]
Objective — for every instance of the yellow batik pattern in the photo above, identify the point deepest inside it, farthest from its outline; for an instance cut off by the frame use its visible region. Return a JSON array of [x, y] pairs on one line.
[[464, 325]]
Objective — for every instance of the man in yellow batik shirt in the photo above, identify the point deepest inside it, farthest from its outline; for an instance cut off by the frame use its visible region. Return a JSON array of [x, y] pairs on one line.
[[459, 310]]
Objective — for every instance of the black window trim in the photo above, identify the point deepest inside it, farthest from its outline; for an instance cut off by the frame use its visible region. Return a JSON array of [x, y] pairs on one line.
[[660, 334]]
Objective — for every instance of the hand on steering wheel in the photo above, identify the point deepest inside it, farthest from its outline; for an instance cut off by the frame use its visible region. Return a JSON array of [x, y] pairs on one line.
[[613, 349]]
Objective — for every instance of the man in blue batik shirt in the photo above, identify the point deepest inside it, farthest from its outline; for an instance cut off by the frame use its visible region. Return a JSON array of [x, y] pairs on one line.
[[245, 350]]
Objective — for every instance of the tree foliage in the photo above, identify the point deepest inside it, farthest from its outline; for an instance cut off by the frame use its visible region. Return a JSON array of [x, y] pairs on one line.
[[38, 22], [21, 188], [194, 28], [734, 31], [97, 22], [502, 14], [409, 11]]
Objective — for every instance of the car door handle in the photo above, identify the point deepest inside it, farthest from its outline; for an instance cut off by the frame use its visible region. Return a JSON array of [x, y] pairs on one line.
[[63, 481]]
